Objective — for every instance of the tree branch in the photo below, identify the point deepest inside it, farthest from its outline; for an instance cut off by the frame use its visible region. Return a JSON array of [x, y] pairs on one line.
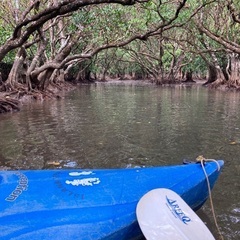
[[232, 11], [29, 25], [234, 47], [56, 64]]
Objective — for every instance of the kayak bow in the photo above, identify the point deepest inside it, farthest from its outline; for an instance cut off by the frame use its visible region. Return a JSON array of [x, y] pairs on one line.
[[90, 204]]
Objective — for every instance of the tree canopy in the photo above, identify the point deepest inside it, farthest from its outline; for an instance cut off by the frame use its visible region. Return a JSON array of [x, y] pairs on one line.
[[44, 43]]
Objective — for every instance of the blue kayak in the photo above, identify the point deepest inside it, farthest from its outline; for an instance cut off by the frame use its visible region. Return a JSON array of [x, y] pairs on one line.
[[90, 204]]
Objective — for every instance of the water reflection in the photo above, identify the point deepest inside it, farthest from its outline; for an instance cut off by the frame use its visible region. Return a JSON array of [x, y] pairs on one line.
[[118, 125]]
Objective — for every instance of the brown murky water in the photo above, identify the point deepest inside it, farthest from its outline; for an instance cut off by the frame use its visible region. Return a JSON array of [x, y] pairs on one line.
[[127, 125]]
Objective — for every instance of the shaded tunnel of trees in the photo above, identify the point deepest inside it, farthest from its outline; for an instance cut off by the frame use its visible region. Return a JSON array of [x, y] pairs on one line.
[[44, 44]]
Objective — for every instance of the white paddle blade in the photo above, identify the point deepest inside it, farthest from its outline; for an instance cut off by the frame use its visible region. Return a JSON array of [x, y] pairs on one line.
[[163, 214]]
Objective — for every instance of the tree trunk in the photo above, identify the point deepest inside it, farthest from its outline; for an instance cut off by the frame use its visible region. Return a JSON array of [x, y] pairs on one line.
[[44, 79], [175, 67], [212, 74], [215, 76], [234, 71], [17, 68], [40, 51], [189, 77]]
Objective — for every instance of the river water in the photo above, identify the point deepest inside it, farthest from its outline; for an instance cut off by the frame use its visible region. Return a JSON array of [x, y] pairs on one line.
[[109, 125]]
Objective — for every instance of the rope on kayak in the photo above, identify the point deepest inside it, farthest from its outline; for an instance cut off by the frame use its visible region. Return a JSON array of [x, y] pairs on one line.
[[202, 160]]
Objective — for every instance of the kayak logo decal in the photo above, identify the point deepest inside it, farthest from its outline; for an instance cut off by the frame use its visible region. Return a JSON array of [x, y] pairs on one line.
[[177, 211], [75, 174], [22, 186], [84, 181]]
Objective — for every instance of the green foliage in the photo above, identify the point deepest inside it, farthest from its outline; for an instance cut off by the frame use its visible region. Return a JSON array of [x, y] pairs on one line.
[[5, 33], [103, 24]]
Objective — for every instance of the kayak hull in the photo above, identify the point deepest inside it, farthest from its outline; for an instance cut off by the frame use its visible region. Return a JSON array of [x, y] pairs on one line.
[[91, 204]]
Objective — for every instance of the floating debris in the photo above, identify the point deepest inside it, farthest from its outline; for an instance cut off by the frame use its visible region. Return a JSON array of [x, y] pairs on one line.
[[70, 164], [53, 163]]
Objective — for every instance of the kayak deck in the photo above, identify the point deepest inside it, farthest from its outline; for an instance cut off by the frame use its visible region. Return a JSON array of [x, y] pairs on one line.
[[90, 204]]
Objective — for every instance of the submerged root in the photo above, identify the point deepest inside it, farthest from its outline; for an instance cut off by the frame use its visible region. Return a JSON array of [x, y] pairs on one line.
[[9, 105], [234, 83], [217, 83]]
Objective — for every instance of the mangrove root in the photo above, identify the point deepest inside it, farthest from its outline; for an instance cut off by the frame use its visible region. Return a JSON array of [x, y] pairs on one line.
[[9, 105]]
